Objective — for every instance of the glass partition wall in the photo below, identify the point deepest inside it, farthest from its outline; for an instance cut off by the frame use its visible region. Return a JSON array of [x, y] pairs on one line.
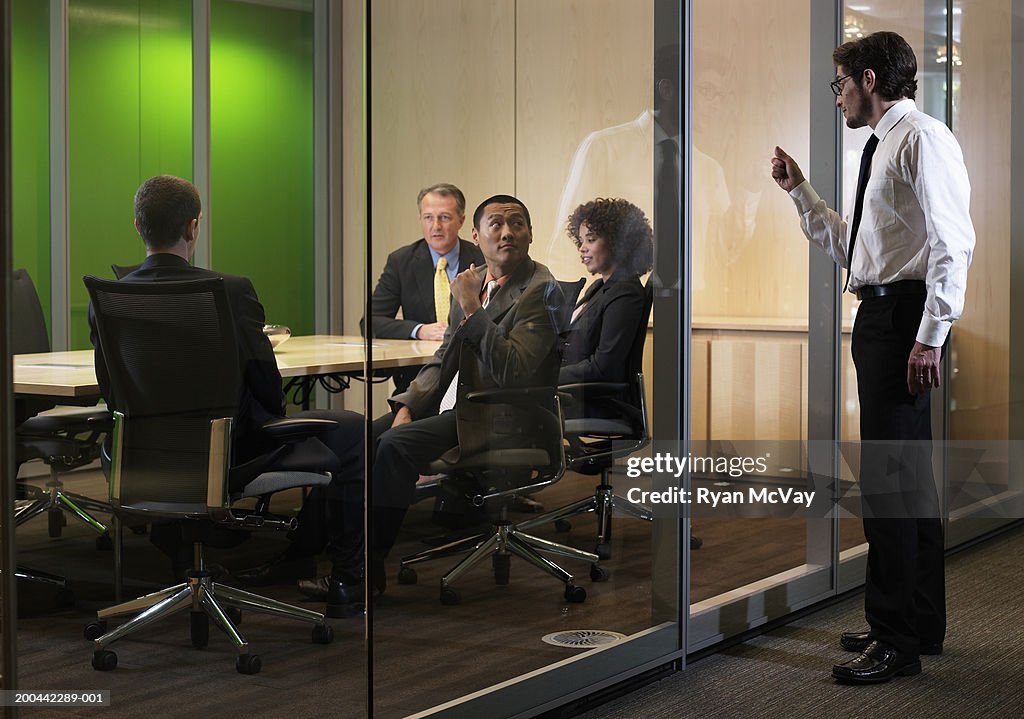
[[753, 310], [553, 103], [108, 93], [971, 414], [311, 127]]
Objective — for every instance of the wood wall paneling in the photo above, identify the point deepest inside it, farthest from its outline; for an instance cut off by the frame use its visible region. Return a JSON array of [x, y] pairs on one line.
[[583, 75], [751, 93], [980, 383], [443, 108]]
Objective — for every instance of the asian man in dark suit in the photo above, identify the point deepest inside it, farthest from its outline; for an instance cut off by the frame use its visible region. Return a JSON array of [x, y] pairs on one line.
[[167, 217], [416, 277], [502, 332]]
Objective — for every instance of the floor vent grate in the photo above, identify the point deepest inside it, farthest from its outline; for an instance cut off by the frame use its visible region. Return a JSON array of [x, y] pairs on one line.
[[583, 638]]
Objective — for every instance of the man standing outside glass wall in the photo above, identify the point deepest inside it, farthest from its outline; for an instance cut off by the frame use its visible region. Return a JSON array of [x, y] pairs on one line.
[[907, 249]]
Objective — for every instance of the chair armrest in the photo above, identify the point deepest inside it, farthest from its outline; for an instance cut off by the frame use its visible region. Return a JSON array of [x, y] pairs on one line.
[[511, 395], [575, 393], [593, 390], [101, 423], [287, 429], [89, 419]]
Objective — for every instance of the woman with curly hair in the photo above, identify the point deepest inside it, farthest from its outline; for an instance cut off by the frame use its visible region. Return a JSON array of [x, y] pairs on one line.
[[615, 241]]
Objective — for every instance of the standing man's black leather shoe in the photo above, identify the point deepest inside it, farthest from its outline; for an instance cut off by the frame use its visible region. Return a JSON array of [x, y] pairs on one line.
[[878, 663], [859, 641]]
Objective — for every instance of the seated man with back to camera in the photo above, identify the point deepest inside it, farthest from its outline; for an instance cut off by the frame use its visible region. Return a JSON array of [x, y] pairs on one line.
[[505, 319], [167, 217], [417, 277]]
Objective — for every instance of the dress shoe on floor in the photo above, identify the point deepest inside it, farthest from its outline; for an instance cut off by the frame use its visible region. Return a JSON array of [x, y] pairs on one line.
[[282, 569], [859, 641], [344, 594], [343, 598], [878, 663]]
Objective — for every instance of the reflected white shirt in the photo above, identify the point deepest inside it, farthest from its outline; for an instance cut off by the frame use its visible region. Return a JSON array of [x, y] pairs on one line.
[[915, 223]]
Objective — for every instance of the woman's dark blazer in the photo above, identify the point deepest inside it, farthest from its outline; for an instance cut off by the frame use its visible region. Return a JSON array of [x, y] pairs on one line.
[[596, 346]]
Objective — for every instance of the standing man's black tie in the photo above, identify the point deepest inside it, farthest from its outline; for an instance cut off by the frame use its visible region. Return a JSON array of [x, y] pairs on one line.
[[666, 220], [666, 216], [858, 205]]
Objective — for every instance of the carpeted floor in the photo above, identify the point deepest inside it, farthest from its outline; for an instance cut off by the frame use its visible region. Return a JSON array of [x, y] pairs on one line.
[[785, 673]]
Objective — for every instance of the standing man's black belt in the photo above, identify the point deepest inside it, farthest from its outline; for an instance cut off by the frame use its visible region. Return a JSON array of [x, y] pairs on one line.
[[903, 287]]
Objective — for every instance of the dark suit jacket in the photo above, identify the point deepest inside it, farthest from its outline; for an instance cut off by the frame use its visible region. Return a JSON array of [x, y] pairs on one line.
[[512, 342], [262, 398], [597, 345], [407, 282]]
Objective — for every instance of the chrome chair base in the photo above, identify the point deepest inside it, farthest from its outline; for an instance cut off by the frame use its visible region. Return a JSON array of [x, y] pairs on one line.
[[604, 503], [58, 502], [37, 576], [206, 599], [504, 540]]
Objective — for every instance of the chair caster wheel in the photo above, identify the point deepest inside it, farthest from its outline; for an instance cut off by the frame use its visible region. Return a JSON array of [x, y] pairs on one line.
[[696, 542], [502, 564], [65, 598], [95, 630], [598, 573], [562, 525], [234, 614], [199, 629], [323, 633], [54, 522], [248, 664], [603, 550], [104, 660], [450, 597], [574, 594], [104, 542], [407, 575]]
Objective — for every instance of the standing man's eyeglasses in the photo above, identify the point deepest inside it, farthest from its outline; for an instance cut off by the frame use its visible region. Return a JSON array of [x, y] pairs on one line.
[[837, 84]]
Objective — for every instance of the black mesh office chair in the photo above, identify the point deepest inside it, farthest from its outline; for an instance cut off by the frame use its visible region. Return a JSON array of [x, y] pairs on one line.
[[617, 427], [65, 439], [172, 357], [514, 453]]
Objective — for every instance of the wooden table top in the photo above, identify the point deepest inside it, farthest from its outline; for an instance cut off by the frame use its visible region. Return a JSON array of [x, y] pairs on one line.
[[71, 374]]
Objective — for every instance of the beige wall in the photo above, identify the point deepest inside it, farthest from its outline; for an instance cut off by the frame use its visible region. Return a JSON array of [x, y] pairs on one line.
[[443, 108], [980, 386], [751, 91], [583, 68]]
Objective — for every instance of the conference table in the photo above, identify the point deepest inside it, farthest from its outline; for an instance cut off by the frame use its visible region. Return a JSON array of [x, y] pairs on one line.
[[71, 377]]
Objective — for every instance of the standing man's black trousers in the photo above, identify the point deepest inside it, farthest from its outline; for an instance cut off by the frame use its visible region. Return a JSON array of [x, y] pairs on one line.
[[904, 600]]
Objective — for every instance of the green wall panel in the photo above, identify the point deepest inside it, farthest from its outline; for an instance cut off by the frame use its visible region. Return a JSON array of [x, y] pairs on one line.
[[30, 154], [129, 117], [261, 155]]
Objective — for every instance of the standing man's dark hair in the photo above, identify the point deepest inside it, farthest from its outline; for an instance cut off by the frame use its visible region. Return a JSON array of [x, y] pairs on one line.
[[164, 206], [891, 58]]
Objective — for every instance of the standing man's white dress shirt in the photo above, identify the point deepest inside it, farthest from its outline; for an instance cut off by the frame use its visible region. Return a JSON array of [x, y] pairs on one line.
[[915, 223]]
